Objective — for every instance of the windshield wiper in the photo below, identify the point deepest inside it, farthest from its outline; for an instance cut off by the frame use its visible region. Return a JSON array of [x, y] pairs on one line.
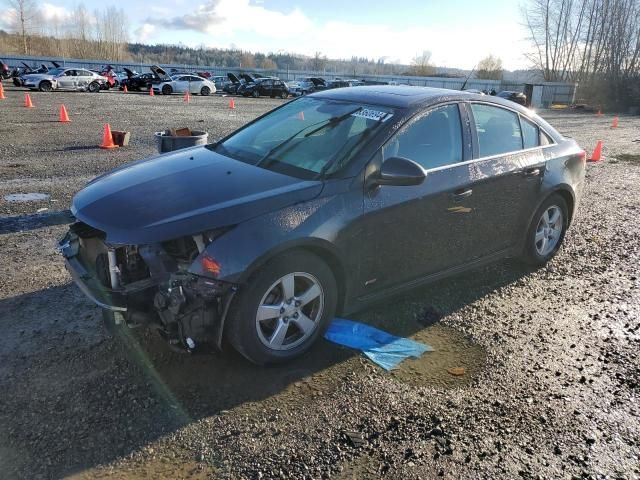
[[324, 123]]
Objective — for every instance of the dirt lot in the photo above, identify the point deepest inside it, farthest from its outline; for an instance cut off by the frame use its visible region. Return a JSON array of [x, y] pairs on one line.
[[550, 388]]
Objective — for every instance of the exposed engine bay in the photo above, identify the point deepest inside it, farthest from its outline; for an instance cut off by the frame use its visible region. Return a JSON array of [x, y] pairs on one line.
[[151, 285]]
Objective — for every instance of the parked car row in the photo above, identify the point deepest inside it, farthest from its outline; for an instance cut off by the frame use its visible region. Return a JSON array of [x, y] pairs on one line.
[[201, 83]]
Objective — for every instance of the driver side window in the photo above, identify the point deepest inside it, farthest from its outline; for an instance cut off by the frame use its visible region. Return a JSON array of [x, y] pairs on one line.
[[431, 140]]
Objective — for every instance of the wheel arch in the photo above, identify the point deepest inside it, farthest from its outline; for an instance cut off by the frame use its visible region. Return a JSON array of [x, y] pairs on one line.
[[318, 247]]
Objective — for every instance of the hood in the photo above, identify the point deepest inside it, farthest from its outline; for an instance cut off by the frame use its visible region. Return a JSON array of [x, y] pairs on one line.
[[233, 78], [55, 64], [162, 75], [37, 77], [183, 193], [129, 73], [318, 82], [247, 78]]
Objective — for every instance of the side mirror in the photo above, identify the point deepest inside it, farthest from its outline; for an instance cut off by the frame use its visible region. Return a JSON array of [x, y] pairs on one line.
[[399, 171]]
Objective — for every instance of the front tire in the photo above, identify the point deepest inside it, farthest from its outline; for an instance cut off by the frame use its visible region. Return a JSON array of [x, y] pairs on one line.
[[284, 309], [94, 87], [255, 94], [45, 86], [205, 91], [546, 232], [167, 90]]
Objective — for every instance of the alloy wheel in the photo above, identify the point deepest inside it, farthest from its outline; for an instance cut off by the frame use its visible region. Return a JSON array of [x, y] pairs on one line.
[[290, 311], [549, 230]]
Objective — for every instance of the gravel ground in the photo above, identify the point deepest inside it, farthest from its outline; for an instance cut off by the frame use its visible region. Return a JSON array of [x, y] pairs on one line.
[[550, 357]]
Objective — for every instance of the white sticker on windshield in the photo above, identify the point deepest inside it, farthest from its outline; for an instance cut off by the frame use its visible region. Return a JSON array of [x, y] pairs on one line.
[[372, 115]]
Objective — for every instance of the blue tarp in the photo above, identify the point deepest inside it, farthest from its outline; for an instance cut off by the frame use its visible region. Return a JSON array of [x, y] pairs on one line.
[[381, 347]]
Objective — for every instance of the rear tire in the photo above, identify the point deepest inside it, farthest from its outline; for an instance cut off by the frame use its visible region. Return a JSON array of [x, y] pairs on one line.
[[546, 232], [294, 294]]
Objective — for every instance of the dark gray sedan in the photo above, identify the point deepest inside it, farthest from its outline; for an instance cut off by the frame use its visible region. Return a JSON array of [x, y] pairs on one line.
[[320, 206]]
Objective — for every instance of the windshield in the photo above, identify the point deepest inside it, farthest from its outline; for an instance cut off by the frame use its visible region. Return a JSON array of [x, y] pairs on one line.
[[55, 71], [306, 138]]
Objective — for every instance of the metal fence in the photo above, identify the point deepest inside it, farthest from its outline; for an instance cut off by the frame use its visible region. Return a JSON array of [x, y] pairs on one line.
[[552, 92]]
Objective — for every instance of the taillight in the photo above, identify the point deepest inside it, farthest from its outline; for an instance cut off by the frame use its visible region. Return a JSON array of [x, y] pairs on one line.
[[583, 157]]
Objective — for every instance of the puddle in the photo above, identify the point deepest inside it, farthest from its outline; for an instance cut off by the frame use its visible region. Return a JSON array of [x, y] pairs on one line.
[[153, 467], [452, 352], [27, 197]]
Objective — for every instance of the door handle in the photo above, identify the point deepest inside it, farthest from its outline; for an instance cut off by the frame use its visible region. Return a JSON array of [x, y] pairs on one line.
[[532, 172], [460, 194]]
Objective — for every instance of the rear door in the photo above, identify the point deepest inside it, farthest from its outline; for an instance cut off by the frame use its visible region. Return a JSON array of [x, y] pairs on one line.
[[500, 181], [84, 78], [195, 84]]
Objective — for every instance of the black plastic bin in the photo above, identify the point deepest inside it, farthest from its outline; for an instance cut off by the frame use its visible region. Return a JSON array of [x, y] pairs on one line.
[[169, 143]]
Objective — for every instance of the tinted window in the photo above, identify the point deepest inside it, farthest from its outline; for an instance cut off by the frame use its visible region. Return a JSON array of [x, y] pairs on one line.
[[545, 139], [530, 133], [432, 140], [498, 130]]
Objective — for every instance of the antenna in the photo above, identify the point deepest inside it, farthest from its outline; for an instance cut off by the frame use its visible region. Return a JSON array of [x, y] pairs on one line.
[[468, 77]]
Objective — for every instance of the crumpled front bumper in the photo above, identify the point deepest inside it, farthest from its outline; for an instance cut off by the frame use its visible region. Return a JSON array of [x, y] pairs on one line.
[[90, 285]]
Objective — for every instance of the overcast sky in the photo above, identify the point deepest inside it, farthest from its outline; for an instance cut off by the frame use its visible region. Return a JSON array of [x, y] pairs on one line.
[[457, 32]]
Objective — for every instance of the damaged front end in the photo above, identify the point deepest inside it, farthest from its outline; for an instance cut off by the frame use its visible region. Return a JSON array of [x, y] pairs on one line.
[[152, 285]]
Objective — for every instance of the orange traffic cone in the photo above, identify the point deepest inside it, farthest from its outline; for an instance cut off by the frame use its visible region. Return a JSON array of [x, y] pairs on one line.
[[301, 116], [2, 97], [107, 138], [597, 152], [187, 97], [615, 122], [232, 104], [27, 101], [124, 90], [151, 94], [64, 116]]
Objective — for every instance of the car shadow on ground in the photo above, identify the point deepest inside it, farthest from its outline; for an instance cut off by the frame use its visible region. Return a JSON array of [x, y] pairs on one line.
[[112, 395], [34, 221]]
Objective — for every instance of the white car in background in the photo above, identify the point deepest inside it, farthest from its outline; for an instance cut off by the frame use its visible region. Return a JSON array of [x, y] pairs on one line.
[[182, 83], [65, 79]]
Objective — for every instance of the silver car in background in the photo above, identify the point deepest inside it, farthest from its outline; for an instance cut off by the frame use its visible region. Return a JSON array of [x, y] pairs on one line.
[[78, 79]]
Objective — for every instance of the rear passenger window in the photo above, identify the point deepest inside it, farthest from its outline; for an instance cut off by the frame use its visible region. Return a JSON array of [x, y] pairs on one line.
[[545, 139], [530, 133], [498, 130], [433, 140]]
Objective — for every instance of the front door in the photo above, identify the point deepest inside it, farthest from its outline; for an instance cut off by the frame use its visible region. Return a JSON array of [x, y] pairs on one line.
[[265, 88], [413, 231], [68, 79]]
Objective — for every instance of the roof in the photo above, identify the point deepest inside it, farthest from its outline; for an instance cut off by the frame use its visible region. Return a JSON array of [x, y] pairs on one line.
[[395, 96]]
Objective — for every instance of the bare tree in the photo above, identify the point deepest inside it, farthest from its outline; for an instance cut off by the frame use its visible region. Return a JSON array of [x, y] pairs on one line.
[[25, 20], [421, 65], [594, 42], [490, 68], [319, 62]]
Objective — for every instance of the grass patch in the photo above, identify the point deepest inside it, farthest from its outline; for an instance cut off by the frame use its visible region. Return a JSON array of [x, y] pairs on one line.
[[628, 157]]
